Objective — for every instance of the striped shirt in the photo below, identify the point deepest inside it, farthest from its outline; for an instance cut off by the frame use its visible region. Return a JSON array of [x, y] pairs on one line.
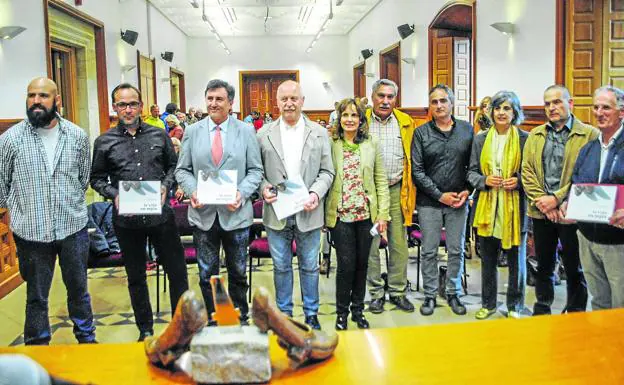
[[45, 205], [389, 134]]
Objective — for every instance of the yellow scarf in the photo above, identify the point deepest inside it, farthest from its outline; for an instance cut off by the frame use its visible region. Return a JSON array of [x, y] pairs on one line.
[[486, 205]]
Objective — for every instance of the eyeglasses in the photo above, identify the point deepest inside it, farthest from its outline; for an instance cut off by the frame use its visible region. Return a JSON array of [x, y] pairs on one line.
[[124, 105]]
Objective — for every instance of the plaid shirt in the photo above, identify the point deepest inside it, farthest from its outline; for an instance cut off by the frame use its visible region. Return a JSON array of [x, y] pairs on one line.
[[389, 134], [44, 206]]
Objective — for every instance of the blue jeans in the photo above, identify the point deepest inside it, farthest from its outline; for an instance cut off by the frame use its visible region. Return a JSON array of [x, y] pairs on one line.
[[516, 257], [308, 245], [431, 220], [235, 243], [36, 264]]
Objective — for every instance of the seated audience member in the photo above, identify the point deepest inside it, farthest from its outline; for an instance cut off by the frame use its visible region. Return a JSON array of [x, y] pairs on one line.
[[500, 214], [175, 130], [171, 108], [257, 121], [482, 119], [199, 114], [153, 119], [181, 118], [267, 117], [190, 117], [602, 161], [357, 200]]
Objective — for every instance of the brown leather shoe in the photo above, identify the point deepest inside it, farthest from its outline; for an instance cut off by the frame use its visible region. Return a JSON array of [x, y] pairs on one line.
[[189, 317], [300, 341]]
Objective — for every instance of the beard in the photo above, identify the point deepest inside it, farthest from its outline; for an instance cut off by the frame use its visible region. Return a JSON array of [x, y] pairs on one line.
[[40, 119]]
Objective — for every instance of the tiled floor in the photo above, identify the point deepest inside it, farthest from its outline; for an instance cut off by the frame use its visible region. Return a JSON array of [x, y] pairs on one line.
[[115, 321]]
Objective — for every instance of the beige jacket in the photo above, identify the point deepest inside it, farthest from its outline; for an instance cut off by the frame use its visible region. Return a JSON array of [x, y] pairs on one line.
[[533, 166]]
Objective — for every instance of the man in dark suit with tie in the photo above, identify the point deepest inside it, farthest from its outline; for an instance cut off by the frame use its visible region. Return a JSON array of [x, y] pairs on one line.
[[221, 143]]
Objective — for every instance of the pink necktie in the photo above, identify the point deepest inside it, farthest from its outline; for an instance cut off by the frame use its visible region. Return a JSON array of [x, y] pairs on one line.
[[217, 147]]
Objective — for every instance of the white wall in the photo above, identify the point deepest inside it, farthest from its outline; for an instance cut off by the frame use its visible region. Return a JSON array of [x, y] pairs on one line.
[[327, 62], [524, 63], [22, 58]]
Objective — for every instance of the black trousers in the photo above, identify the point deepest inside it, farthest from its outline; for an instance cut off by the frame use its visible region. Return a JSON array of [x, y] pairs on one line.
[[168, 248], [352, 241], [546, 235]]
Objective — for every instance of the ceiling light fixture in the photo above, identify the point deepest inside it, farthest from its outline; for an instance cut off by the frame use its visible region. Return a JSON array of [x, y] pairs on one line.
[[213, 29], [323, 28]]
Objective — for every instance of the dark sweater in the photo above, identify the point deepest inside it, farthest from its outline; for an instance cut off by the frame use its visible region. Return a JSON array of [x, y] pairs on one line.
[[440, 161], [586, 170]]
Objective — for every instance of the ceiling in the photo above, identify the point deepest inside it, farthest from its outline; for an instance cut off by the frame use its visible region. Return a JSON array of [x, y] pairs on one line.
[[264, 17]]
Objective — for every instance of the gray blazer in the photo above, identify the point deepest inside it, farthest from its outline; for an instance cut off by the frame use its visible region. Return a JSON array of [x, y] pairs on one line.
[[317, 171], [240, 152], [477, 179]]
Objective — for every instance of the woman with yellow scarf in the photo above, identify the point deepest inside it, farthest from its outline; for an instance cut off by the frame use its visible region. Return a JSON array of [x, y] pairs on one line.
[[500, 215]]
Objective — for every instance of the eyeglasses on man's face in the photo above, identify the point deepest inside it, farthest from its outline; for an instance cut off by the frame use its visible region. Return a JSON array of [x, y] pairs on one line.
[[124, 105]]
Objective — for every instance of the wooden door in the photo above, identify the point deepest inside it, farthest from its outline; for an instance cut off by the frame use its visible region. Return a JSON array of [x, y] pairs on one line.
[[584, 53], [178, 89], [443, 60], [9, 267], [461, 83], [259, 91], [147, 82], [64, 75], [359, 80], [390, 66], [613, 32]]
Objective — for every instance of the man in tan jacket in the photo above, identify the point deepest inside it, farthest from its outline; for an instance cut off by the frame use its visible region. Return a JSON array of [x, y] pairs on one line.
[[549, 156], [395, 131]]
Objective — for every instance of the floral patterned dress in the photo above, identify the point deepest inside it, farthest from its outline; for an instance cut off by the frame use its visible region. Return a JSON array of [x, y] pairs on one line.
[[354, 204]]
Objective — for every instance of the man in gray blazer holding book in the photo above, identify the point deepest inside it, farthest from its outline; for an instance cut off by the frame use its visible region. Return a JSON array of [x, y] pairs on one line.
[[218, 143], [294, 146]]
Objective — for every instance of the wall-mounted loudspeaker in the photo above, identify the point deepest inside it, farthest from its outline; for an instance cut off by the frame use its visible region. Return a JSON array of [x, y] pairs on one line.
[[168, 56], [129, 36], [405, 30], [366, 53]]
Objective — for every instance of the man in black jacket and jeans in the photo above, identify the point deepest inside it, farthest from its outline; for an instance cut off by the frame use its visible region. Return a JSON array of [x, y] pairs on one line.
[[136, 151], [440, 158]]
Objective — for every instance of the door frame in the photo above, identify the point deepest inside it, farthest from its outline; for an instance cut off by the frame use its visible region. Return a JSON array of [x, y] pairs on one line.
[[473, 43], [71, 79], [356, 81], [386, 52], [100, 53], [244, 75], [138, 66], [181, 86]]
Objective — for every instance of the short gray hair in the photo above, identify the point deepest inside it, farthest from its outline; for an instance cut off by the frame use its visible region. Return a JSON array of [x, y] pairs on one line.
[[218, 83], [508, 96], [619, 94], [385, 82], [564, 91], [446, 89]]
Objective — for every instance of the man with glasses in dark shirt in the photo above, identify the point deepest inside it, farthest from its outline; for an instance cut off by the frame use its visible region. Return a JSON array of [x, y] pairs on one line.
[[136, 151]]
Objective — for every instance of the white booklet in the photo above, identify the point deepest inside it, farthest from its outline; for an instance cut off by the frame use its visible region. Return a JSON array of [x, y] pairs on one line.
[[140, 197], [592, 202], [217, 187], [292, 194]]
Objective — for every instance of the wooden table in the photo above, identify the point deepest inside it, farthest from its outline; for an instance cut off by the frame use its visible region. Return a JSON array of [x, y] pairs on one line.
[[585, 348]]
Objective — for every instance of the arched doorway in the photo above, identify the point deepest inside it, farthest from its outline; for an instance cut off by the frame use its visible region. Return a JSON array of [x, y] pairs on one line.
[[452, 36]]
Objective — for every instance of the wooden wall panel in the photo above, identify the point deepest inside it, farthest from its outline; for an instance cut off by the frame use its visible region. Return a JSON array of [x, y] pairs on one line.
[[584, 45], [613, 67]]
